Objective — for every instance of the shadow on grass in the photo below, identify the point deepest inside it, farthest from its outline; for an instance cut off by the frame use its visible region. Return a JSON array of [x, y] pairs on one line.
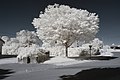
[[7, 56], [95, 74], [4, 73], [95, 58]]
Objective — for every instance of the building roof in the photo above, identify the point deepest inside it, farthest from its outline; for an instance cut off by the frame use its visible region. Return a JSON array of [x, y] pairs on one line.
[[2, 40]]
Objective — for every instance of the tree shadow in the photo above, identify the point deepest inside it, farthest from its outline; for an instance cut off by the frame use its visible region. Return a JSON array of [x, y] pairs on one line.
[[4, 73], [94, 58], [95, 74], [7, 56]]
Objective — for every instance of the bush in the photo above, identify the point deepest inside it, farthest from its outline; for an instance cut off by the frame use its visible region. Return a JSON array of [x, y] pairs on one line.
[[84, 53]]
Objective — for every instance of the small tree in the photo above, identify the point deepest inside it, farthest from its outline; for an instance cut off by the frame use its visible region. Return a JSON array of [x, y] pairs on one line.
[[64, 25], [97, 43], [28, 38], [23, 39]]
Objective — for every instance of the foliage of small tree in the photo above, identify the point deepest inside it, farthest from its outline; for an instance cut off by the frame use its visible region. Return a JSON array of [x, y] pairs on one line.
[[23, 39]]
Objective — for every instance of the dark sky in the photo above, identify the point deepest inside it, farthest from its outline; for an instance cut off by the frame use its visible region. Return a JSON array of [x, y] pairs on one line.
[[16, 15]]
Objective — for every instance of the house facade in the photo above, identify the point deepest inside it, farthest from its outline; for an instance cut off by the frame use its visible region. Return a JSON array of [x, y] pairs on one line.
[[1, 44]]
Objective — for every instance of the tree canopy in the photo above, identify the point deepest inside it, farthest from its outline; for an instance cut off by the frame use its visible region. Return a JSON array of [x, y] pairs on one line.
[[61, 24]]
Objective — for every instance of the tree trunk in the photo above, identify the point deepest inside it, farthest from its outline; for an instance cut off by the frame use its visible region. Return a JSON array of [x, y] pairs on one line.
[[66, 51]]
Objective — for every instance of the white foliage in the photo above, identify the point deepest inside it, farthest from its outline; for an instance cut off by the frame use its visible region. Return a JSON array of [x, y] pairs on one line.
[[5, 38], [60, 51], [56, 51], [28, 51], [97, 43], [106, 52], [65, 25], [23, 39], [86, 46], [11, 47], [28, 37]]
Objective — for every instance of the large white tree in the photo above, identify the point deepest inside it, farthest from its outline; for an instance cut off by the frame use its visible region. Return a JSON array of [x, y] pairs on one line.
[[60, 24]]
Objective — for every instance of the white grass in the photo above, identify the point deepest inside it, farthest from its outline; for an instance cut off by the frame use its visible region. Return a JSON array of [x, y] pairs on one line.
[[64, 61], [8, 60]]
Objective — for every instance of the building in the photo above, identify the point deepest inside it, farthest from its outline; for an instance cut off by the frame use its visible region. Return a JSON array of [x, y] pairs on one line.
[[1, 44]]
